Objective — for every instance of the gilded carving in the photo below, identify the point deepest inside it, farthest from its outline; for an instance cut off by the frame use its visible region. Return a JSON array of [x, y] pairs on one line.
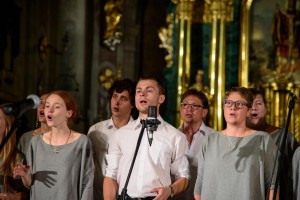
[[113, 16], [218, 9], [275, 71], [184, 9], [106, 78], [165, 35]]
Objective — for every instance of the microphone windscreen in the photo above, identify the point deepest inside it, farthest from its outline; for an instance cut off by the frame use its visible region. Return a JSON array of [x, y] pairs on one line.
[[35, 99], [152, 112]]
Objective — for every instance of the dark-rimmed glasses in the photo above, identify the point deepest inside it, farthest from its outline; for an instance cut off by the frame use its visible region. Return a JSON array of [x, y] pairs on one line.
[[192, 106], [237, 104]]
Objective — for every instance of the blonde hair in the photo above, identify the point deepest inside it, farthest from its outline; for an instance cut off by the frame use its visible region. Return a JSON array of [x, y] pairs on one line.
[[10, 155]]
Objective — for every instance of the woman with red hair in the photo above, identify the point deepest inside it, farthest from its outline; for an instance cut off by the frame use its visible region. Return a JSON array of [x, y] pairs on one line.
[[61, 160]]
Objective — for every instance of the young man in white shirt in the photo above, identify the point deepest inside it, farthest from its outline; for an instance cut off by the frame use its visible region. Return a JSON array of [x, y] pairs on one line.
[[155, 164], [121, 96]]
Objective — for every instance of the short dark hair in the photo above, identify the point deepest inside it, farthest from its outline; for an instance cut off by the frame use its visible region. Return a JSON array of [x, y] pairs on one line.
[[199, 94], [256, 92], [123, 85], [160, 84], [244, 92]]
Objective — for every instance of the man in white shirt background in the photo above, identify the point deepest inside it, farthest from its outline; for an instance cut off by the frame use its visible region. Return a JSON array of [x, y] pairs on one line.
[[121, 96]]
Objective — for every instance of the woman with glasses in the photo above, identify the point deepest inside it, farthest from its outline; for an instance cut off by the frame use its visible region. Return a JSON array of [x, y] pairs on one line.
[[237, 162]]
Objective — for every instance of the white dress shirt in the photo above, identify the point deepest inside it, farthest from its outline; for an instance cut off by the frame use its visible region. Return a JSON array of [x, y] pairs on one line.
[[154, 164], [99, 134], [193, 155]]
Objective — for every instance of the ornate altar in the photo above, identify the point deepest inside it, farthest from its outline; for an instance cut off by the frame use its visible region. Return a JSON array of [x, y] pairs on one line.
[[276, 72], [272, 62]]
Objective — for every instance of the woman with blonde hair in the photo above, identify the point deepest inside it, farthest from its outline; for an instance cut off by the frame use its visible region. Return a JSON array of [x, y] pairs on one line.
[[9, 156]]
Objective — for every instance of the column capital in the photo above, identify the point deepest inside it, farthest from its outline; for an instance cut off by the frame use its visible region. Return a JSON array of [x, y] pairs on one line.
[[218, 9], [184, 9]]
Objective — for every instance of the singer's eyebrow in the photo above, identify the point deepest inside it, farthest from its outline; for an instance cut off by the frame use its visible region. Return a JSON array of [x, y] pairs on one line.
[[54, 104], [146, 88]]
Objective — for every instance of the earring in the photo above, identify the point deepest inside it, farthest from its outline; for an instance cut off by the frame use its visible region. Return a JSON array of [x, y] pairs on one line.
[[37, 122]]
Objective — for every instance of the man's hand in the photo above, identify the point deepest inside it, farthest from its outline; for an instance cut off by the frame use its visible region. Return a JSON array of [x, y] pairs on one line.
[[163, 193]]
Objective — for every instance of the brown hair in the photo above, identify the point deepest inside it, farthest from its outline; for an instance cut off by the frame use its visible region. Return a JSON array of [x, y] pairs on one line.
[[200, 95], [244, 92], [123, 85], [256, 92]]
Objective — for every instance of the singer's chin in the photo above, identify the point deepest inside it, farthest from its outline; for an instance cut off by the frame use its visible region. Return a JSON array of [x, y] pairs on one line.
[[143, 109]]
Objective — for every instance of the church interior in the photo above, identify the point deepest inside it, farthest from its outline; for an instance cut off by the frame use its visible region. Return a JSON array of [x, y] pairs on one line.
[[82, 46]]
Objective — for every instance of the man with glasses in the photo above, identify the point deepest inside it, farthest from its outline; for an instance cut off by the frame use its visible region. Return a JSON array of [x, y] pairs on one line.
[[193, 110]]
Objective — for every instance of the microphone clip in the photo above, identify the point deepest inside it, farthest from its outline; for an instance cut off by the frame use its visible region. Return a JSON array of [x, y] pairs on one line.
[[152, 124]]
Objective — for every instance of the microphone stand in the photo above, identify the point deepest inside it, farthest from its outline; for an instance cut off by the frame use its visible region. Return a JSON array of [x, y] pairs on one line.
[[15, 125], [282, 145], [124, 195]]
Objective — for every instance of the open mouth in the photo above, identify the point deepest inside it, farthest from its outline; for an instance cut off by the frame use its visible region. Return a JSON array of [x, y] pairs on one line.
[[42, 113], [188, 115], [143, 102], [49, 117], [232, 114], [116, 109], [254, 115]]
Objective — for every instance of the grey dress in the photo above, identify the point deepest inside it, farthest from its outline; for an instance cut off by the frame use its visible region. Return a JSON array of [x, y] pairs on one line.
[[65, 175], [296, 174], [24, 141], [235, 168], [286, 180]]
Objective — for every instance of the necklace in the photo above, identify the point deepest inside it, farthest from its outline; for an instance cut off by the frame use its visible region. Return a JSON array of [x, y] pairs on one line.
[[231, 143], [56, 149]]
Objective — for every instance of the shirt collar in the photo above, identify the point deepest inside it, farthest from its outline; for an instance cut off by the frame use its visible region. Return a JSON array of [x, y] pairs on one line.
[[201, 130], [110, 124]]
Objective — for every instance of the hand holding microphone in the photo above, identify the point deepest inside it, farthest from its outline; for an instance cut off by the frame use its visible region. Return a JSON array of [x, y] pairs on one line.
[[152, 122]]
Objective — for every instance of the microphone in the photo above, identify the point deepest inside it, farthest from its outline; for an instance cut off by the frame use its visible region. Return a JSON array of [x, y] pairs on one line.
[[32, 101], [152, 122]]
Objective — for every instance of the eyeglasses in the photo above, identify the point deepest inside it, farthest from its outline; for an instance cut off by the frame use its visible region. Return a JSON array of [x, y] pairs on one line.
[[237, 104], [193, 106]]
